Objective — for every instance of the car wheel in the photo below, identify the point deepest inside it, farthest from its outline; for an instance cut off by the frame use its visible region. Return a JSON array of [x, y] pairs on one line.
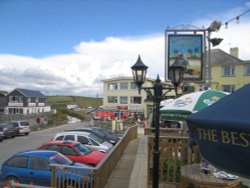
[[26, 133], [9, 179]]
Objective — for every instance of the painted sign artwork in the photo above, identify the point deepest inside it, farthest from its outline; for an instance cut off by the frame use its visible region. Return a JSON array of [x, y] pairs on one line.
[[186, 50]]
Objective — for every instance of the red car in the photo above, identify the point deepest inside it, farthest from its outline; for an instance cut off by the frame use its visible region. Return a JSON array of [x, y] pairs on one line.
[[75, 151]]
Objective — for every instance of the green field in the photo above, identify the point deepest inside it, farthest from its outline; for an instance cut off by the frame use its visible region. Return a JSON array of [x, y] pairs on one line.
[[60, 103], [82, 102]]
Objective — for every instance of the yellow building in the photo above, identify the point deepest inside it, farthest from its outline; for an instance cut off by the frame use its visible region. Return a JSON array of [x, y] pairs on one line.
[[121, 94], [228, 72]]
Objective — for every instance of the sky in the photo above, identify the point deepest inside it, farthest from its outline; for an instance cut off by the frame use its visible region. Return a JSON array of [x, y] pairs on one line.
[[67, 47]]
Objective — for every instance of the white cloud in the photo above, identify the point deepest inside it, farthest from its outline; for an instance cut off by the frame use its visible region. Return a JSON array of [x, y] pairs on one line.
[[81, 72]]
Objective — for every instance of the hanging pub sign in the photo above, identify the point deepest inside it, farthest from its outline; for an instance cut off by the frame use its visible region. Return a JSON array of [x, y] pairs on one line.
[[186, 50]]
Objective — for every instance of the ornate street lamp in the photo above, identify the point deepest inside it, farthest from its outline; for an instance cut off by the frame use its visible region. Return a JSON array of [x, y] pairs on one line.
[[139, 70]]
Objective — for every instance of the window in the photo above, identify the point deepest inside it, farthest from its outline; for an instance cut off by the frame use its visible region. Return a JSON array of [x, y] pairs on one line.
[[247, 69], [39, 163], [82, 139], [133, 86], [124, 85], [112, 99], [69, 137], [18, 161], [135, 100], [66, 150], [228, 88], [82, 149], [124, 100], [13, 98], [228, 71], [94, 142], [28, 99], [112, 86], [60, 137], [21, 98], [51, 147]]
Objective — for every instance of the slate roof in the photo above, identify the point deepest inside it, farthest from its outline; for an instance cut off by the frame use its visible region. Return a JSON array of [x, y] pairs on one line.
[[31, 93], [219, 57]]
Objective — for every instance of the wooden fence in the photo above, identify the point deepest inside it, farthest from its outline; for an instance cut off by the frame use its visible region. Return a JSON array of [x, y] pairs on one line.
[[175, 151]]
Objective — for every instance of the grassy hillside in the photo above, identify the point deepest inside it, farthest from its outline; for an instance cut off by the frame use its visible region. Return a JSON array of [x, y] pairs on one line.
[[60, 103], [83, 102]]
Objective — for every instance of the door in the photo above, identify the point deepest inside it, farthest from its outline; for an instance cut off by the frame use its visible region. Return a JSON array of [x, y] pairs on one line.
[[40, 171]]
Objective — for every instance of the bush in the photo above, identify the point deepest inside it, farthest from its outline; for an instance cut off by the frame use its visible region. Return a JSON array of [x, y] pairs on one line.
[[169, 164]]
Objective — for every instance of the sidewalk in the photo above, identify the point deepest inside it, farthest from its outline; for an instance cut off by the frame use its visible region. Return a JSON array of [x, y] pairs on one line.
[[131, 169]]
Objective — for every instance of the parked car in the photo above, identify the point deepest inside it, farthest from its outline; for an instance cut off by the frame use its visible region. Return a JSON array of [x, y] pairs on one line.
[[1, 136], [22, 127], [8, 130], [97, 133], [108, 133], [34, 166], [85, 138], [75, 151]]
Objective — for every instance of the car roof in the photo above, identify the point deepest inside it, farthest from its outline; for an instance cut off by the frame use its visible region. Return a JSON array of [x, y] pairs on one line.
[[62, 142], [3, 123], [78, 129], [43, 153], [19, 121], [73, 132]]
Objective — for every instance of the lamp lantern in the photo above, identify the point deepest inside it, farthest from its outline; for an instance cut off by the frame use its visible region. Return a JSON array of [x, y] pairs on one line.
[[176, 73], [139, 70]]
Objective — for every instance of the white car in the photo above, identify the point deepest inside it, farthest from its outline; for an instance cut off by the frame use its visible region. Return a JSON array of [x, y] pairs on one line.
[[22, 127], [88, 139]]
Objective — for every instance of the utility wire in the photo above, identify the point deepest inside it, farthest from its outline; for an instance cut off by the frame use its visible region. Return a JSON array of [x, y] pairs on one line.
[[237, 18]]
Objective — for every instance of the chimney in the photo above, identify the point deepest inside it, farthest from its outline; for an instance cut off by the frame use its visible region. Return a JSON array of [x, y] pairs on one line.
[[234, 52]]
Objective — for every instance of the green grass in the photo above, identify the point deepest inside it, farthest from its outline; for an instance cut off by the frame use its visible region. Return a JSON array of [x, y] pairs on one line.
[[63, 101], [60, 104]]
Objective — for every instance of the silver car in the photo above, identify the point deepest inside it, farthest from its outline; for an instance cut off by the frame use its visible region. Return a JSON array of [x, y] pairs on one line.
[[22, 127], [1, 136], [88, 139]]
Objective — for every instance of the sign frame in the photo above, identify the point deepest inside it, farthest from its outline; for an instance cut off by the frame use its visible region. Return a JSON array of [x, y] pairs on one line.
[[195, 65]]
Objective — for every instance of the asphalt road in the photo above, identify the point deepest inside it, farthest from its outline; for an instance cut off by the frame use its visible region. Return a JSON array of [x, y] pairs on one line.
[[22, 143]]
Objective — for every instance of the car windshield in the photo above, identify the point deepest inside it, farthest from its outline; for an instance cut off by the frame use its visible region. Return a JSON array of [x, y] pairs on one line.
[[105, 131], [97, 139], [99, 133], [60, 159], [83, 149]]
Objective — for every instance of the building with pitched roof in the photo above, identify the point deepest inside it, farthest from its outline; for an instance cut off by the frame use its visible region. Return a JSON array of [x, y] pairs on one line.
[[24, 101], [228, 72]]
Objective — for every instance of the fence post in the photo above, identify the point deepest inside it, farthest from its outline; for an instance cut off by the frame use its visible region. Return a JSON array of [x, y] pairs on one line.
[[53, 176]]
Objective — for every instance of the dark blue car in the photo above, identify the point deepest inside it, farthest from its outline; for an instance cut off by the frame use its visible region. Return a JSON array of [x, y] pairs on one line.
[[33, 167]]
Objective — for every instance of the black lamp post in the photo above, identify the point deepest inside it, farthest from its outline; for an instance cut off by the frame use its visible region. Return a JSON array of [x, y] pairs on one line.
[[139, 70]]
